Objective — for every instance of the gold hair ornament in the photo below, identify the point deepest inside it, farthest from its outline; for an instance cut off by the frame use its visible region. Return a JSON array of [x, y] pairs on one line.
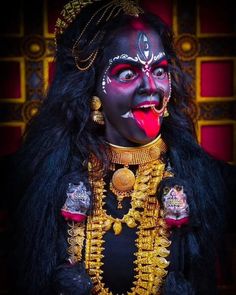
[[72, 9]]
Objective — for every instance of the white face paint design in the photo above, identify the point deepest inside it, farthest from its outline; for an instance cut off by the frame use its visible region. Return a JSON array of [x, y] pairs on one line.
[[133, 75], [124, 57]]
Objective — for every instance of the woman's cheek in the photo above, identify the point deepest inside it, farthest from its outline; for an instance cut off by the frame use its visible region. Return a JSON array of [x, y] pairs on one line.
[[115, 87]]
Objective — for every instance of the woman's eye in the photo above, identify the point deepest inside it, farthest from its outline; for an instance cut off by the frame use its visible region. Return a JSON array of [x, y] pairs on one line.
[[126, 75], [159, 72]]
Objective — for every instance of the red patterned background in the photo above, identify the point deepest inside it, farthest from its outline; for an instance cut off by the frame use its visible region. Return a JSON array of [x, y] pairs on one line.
[[205, 40]]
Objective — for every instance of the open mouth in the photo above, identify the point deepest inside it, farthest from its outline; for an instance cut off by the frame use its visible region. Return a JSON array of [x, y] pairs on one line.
[[156, 106], [145, 107], [147, 117]]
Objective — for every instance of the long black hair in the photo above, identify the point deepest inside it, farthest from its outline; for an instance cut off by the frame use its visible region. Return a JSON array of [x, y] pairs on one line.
[[56, 150]]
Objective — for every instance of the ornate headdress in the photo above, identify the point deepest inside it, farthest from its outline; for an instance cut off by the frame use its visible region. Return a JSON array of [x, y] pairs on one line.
[[104, 13]]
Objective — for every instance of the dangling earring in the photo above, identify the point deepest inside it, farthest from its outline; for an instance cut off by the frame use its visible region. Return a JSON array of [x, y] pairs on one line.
[[166, 113], [96, 115]]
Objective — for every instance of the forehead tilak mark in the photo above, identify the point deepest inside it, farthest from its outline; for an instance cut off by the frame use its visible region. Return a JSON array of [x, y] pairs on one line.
[[144, 46]]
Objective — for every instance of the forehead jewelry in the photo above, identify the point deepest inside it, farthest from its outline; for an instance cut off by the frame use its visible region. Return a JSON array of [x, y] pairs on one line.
[[108, 11]]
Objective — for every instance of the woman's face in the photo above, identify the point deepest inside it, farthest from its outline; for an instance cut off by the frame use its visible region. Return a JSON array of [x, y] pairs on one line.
[[133, 85]]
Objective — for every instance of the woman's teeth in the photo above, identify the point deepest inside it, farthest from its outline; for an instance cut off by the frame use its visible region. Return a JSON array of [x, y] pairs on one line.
[[146, 106], [129, 114]]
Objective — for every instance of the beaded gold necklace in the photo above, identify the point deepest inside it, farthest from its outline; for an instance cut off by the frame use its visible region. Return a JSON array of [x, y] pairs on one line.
[[145, 214]]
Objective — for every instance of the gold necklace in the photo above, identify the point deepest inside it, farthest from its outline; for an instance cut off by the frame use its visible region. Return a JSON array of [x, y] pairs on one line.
[[123, 179], [145, 213], [148, 178], [136, 155], [152, 239]]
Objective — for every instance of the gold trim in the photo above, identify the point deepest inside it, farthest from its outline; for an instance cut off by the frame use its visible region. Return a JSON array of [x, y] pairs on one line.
[[22, 125], [133, 148], [136, 155], [46, 62], [200, 98], [175, 18], [201, 123], [22, 98]]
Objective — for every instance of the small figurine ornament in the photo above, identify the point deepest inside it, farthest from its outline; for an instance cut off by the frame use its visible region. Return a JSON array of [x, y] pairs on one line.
[[77, 203], [176, 208]]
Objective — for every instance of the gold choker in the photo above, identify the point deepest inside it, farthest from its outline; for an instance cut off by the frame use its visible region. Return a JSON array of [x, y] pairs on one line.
[[123, 179], [136, 155]]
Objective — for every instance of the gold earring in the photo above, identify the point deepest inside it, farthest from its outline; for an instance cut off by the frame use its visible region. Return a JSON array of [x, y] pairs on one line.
[[96, 115], [166, 113]]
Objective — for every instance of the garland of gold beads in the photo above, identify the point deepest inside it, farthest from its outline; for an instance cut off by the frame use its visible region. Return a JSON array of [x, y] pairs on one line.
[[145, 213], [152, 238], [147, 179]]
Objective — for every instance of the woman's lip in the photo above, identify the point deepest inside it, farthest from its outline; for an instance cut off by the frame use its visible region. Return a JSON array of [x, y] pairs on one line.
[[146, 104], [129, 114]]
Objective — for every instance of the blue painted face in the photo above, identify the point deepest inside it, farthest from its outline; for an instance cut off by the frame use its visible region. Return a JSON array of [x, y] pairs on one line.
[[133, 85]]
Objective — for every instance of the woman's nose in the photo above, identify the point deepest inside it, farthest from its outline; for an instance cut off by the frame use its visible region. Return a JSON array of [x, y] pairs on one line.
[[148, 86]]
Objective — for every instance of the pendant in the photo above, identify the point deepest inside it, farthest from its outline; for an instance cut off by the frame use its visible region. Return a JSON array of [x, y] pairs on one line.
[[123, 179]]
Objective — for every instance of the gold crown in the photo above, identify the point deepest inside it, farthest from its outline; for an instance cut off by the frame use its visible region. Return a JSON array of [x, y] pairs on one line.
[[72, 9]]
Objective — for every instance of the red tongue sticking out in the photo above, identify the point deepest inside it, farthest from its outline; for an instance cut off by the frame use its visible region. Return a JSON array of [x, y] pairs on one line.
[[148, 120]]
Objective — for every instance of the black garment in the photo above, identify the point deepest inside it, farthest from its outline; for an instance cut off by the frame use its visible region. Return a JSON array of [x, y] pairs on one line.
[[119, 251]]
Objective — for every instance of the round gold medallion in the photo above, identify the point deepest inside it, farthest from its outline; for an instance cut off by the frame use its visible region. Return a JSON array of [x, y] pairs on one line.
[[123, 179]]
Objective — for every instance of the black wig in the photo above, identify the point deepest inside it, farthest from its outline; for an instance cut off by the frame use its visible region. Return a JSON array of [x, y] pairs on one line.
[[55, 152]]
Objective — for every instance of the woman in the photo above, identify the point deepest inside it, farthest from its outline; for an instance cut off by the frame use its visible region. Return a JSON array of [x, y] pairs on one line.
[[118, 195]]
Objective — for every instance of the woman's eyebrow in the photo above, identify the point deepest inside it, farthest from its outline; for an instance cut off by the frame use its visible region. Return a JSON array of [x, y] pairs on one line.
[[122, 64], [124, 61], [118, 67], [161, 62]]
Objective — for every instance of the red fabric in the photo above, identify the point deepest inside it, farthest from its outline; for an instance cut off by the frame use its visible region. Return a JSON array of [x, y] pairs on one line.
[[218, 141], [216, 16], [217, 78], [176, 222], [164, 9], [10, 86], [73, 216], [10, 138]]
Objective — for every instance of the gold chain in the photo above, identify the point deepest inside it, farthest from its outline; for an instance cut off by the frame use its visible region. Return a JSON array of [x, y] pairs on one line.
[[145, 214], [152, 238], [148, 177]]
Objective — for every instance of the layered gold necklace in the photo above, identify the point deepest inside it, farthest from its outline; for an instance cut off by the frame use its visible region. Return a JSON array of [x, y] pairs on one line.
[[145, 214]]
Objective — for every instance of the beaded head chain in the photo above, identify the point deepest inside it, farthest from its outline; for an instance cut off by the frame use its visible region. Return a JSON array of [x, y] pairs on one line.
[[103, 14]]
